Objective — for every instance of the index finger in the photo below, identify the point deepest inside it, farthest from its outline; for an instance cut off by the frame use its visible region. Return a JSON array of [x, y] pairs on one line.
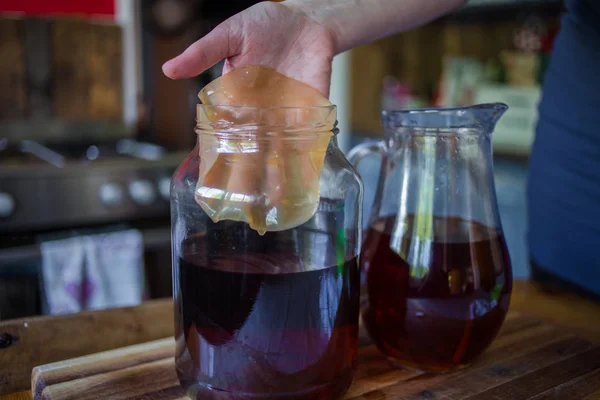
[[217, 45]]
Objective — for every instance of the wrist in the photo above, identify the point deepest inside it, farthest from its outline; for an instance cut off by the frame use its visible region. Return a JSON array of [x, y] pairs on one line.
[[316, 11], [356, 22]]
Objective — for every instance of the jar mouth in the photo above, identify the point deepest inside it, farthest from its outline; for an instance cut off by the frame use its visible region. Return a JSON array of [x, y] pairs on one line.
[[251, 108], [247, 121]]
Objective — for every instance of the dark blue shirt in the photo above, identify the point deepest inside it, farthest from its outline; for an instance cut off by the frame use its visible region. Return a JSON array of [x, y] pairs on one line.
[[564, 179]]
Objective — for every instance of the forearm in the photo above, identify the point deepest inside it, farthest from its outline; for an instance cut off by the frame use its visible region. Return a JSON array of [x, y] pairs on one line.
[[356, 22]]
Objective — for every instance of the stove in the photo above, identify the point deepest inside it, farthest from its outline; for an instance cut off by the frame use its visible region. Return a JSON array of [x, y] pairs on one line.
[[52, 191], [45, 187]]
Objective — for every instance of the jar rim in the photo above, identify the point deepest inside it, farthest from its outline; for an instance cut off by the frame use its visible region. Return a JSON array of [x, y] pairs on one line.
[[250, 132], [271, 108], [246, 121]]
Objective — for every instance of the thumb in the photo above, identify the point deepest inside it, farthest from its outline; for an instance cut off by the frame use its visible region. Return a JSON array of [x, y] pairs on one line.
[[220, 43]]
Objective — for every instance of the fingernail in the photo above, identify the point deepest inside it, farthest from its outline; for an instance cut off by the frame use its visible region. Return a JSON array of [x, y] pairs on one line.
[[169, 70]]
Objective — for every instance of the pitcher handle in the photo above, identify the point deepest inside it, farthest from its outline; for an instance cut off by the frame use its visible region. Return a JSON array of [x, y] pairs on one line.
[[363, 150]]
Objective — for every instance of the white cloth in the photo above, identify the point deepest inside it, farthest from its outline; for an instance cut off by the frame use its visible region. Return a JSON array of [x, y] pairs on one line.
[[62, 275], [93, 272]]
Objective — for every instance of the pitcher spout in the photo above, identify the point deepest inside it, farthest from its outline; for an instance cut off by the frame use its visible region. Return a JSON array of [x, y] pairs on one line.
[[487, 115]]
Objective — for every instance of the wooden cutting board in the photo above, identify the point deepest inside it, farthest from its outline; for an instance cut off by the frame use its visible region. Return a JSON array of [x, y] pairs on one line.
[[528, 360]]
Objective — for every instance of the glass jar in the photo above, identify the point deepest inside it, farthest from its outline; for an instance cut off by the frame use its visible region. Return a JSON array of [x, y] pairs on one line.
[[435, 268], [265, 315]]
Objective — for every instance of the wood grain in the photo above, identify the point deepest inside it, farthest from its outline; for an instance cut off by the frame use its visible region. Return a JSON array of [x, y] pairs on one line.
[[519, 336], [593, 396], [369, 67], [26, 395], [566, 310], [38, 66], [527, 331], [87, 70], [173, 117], [104, 65], [583, 386], [543, 379], [13, 92], [100, 363], [528, 359], [70, 46], [43, 340], [125, 383]]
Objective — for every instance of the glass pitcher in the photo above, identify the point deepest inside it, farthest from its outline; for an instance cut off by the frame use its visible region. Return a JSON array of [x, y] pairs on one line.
[[265, 315], [435, 270]]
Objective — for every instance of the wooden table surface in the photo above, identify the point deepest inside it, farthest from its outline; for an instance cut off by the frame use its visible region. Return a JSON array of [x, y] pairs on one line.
[[40, 340]]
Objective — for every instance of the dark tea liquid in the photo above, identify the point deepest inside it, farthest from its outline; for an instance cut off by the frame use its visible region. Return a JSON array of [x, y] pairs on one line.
[[257, 325], [434, 305]]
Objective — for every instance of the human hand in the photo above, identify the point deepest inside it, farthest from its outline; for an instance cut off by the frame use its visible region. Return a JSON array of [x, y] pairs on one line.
[[271, 34]]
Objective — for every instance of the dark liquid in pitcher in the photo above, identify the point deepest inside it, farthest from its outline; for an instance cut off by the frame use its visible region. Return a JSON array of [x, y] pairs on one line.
[[434, 305], [255, 325]]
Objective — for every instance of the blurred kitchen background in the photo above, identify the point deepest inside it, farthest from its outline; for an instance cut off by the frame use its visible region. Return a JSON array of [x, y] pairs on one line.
[[91, 131]]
